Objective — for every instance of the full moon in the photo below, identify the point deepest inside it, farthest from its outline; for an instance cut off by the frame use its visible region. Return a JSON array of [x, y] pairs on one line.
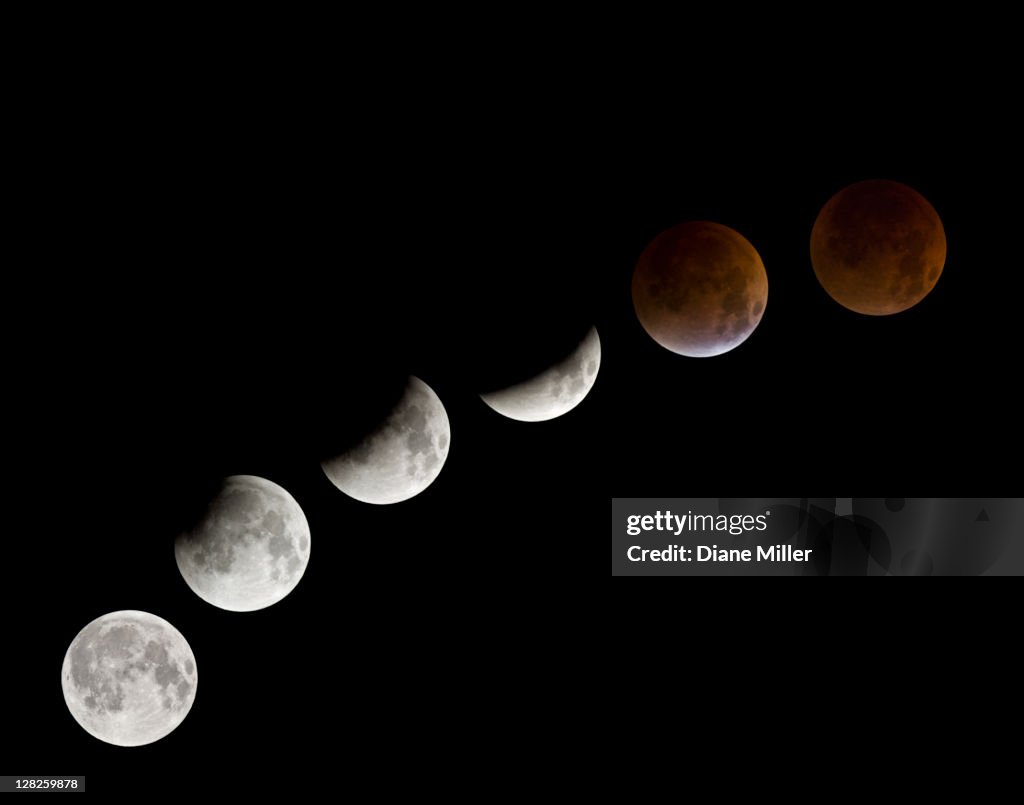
[[129, 678], [250, 548], [878, 247], [700, 289], [554, 391], [402, 457]]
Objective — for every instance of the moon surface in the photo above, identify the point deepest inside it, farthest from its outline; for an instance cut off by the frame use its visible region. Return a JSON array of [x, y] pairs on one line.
[[402, 457], [878, 247], [554, 391], [129, 678], [700, 289], [249, 550]]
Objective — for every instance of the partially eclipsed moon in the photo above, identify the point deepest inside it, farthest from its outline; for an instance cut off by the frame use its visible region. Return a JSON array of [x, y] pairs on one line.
[[554, 391], [700, 289], [129, 678], [402, 457], [878, 247], [249, 550]]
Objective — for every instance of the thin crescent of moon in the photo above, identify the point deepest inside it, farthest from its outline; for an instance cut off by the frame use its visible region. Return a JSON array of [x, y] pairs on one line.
[[554, 391]]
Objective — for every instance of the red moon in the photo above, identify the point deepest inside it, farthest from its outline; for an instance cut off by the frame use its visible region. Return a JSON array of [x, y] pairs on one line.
[[878, 247], [700, 289]]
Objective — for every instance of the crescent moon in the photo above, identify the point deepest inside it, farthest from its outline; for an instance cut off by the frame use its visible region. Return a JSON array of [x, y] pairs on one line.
[[556, 390], [402, 457]]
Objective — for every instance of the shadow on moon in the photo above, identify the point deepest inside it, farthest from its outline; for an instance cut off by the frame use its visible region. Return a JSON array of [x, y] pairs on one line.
[[340, 423]]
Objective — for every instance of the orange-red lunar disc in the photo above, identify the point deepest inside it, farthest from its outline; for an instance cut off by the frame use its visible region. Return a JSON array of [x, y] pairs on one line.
[[878, 247], [700, 289]]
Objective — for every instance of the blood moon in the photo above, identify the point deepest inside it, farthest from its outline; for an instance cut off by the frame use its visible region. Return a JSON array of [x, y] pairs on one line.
[[700, 289], [878, 247]]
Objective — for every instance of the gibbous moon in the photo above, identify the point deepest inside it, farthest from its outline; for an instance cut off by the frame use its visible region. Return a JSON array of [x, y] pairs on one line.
[[402, 457], [129, 678], [554, 391], [878, 247], [249, 550], [700, 289]]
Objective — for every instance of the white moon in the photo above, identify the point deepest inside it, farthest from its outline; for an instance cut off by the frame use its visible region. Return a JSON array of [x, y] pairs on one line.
[[249, 550], [554, 391], [402, 457], [129, 678]]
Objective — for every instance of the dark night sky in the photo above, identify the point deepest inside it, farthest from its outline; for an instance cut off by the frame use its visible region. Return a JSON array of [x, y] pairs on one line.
[[240, 298]]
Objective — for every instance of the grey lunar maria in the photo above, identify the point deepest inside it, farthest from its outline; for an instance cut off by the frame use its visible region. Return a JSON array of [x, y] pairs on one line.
[[129, 678], [249, 550], [402, 457]]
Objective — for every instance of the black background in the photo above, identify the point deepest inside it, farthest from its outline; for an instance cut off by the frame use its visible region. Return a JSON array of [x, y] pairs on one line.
[[230, 276]]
